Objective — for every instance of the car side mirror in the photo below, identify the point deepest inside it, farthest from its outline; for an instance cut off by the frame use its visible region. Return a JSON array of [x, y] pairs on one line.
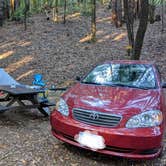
[[78, 78], [163, 85]]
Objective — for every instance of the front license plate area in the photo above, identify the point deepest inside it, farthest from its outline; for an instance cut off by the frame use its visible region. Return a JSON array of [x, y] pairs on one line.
[[90, 140]]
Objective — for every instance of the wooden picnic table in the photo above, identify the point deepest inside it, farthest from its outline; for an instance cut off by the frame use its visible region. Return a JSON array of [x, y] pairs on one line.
[[19, 94]]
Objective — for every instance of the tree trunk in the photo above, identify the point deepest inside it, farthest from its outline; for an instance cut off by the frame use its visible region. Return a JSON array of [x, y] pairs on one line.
[[6, 9], [152, 13], [116, 7], [27, 7], [119, 12], [57, 11], [1, 12], [129, 23], [64, 16], [12, 7], [16, 4], [93, 21], [162, 16], [138, 8], [141, 29]]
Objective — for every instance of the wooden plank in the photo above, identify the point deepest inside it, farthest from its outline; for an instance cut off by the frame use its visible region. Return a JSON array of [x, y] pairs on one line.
[[3, 108], [19, 90]]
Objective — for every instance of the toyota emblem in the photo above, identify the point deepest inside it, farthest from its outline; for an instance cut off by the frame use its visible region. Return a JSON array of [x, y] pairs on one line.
[[94, 116]]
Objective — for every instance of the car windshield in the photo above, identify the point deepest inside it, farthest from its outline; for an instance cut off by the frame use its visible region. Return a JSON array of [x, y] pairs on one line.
[[127, 75]]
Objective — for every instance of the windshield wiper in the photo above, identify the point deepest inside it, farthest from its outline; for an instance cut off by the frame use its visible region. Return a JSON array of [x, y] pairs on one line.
[[146, 88], [124, 85], [121, 85], [137, 87], [94, 83], [118, 85]]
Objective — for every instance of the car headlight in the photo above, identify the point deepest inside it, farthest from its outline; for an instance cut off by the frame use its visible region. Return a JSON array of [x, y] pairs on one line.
[[145, 119], [62, 107]]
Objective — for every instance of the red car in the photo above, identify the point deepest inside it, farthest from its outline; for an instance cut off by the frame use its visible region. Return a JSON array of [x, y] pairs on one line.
[[117, 109]]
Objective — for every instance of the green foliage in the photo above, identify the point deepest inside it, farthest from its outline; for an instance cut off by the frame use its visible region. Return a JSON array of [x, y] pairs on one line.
[[156, 2], [37, 6], [82, 6], [86, 8], [19, 12], [72, 6]]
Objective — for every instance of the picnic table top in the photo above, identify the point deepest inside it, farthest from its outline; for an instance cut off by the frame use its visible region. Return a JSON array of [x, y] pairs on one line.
[[19, 90], [3, 108]]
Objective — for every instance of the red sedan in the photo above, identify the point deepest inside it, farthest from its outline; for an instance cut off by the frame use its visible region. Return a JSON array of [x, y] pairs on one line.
[[118, 108]]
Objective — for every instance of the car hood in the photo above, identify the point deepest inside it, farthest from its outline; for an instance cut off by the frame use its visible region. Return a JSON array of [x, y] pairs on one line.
[[119, 100]]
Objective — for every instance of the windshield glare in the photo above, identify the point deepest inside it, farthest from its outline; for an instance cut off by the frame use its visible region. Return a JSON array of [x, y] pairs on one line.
[[129, 75]]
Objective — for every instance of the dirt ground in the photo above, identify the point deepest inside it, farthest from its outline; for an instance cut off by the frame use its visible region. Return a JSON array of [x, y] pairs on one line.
[[59, 52]]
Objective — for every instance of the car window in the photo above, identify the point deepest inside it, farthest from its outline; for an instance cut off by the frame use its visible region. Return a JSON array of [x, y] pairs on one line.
[[131, 75]]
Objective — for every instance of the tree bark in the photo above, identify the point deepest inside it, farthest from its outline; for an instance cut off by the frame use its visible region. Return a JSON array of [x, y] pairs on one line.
[[6, 9], [27, 7], [129, 23], [162, 16], [12, 7], [56, 10], [138, 8], [64, 16], [141, 29], [116, 6], [1, 12], [152, 13], [119, 12], [93, 21]]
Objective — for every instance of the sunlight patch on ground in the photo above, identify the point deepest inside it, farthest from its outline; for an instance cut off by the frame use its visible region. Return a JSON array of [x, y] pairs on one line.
[[25, 74], [86, 39], [106, 37], [120, 37], [14, 66], [99, 32], [107, 19], [7, 44], [70, 16], [24, 43], [6, 54]]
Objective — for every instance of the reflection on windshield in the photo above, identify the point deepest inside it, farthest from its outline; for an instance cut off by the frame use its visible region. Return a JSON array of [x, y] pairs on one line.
[[129, 75]]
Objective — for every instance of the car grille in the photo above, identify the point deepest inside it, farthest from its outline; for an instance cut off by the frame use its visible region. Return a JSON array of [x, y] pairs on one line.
[[96, 118]]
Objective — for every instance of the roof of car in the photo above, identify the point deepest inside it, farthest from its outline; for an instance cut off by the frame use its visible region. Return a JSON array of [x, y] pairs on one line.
[[131, 62]]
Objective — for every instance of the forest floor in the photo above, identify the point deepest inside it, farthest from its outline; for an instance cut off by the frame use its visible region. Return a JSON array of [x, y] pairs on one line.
[[60, 53]]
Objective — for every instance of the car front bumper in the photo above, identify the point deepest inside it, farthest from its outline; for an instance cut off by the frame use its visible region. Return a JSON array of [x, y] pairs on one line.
[[140, 143]]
